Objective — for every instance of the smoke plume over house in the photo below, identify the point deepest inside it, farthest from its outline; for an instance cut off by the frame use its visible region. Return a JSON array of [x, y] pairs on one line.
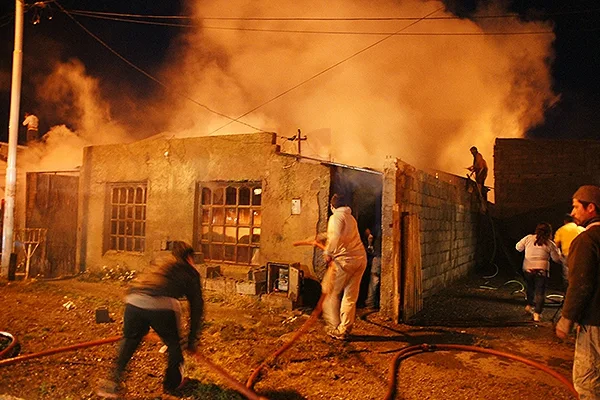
[[425, 94]]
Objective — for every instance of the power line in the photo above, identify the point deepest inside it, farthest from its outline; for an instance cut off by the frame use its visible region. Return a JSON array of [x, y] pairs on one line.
[[319, 32], [317, 19], [148, 75], [135, 21], [326, 70]]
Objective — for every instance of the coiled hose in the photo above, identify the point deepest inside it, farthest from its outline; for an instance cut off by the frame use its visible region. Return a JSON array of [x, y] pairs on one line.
[[12, 345]]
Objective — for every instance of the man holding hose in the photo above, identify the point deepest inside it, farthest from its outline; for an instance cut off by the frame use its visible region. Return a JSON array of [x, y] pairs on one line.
[[347, 260], [153, 302]]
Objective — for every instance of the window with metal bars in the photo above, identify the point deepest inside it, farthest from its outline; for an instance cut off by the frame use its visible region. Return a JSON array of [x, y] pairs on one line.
[[229, 221], [127, 225]]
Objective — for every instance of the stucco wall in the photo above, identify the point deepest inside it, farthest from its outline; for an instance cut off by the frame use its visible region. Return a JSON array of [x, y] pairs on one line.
[[532, 174], [172, 169], [448, 235]]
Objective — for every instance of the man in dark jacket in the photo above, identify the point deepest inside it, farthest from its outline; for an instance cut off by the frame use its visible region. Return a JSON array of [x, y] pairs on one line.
[[480, 169], [582, 302], [153, 302]]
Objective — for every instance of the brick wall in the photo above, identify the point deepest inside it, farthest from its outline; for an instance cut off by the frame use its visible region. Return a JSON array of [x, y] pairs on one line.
[[531, 174]]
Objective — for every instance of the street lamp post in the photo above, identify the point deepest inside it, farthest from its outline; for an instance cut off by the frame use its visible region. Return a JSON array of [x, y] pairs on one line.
[[13, 135]]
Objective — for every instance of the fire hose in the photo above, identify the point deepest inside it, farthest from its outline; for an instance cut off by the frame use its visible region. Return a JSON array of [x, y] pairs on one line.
[[230, 381], [314, 316], [404, 353], [248, 389], [422, 348], [14, 360], [12, 345]]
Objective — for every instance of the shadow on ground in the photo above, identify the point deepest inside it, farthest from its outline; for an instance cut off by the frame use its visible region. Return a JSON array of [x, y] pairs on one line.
[[475, 301]]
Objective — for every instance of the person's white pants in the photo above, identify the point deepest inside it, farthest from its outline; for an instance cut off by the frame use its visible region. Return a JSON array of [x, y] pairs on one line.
[[342, 285]]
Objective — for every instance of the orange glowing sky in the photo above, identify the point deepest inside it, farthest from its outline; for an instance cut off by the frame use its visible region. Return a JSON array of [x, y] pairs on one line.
[[425, 99]]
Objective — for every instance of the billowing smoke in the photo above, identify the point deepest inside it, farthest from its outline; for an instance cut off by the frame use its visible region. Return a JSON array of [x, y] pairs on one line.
[[60, 150], [425, 95], [423, 98], [74, 97]]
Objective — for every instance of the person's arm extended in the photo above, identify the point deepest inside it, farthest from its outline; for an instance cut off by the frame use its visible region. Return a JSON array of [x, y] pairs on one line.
[[194, 297], [554, 253], [521, 244]]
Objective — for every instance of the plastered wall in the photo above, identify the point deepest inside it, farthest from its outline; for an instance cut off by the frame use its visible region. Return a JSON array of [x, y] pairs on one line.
[[173, 168]]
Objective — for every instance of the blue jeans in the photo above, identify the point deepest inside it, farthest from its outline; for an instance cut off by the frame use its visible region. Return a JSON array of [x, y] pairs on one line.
[[536, 289], [586, 364]]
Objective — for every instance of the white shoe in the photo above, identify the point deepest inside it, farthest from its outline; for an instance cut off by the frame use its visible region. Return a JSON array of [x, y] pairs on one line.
[[537, 317], [528, 309], [336, 334]]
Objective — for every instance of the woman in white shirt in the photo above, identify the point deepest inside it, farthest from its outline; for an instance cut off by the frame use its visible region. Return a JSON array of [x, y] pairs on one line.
[[539, 248]]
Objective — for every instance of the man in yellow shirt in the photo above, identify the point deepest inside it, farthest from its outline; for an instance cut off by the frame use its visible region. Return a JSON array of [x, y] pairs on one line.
[[563, 238]]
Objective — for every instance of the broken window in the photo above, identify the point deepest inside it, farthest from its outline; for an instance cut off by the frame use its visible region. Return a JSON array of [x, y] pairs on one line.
[[229, 221], [127, 224]]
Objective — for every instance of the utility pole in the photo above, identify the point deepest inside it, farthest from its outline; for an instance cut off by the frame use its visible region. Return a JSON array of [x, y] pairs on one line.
[[13, 136], [300, 139]]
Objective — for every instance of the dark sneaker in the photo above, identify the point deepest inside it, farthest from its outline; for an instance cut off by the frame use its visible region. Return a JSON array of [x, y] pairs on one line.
[[181, 389], [107, 389]]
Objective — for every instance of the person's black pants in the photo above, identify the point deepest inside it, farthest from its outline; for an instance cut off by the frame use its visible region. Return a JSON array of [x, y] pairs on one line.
[[137, 322], [536, 288]]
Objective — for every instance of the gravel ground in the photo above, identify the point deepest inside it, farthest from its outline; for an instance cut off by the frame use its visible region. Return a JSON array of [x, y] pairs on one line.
[[241, 332]]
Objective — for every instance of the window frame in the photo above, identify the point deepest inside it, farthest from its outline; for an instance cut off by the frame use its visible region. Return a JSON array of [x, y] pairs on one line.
[[229, 220], [126, 217]]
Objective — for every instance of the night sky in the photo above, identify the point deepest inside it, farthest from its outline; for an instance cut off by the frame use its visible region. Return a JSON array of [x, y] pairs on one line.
[[575, 68]]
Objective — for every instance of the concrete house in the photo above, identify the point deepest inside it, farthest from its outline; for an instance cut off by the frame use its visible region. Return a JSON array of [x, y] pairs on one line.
[[236, 198], [243, 203]]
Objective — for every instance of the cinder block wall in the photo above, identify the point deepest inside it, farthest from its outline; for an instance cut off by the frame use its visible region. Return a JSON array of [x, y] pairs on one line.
[[448, 225], [532, 173], [448, 237]]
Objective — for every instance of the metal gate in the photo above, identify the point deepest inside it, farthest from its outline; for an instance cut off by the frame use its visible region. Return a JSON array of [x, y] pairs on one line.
[[51, 204]]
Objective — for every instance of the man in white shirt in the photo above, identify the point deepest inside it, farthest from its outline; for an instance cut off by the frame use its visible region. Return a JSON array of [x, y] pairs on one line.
[[32, 123], [347, 260]]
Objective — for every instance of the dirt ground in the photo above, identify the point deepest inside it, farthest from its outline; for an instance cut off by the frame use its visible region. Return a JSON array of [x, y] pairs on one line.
[[241, 332]]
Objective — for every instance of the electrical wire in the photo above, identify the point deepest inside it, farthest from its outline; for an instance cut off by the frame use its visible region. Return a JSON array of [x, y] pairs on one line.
[[318, 19], [326, 70], [148, 75], [135, 21], [315, 32]]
